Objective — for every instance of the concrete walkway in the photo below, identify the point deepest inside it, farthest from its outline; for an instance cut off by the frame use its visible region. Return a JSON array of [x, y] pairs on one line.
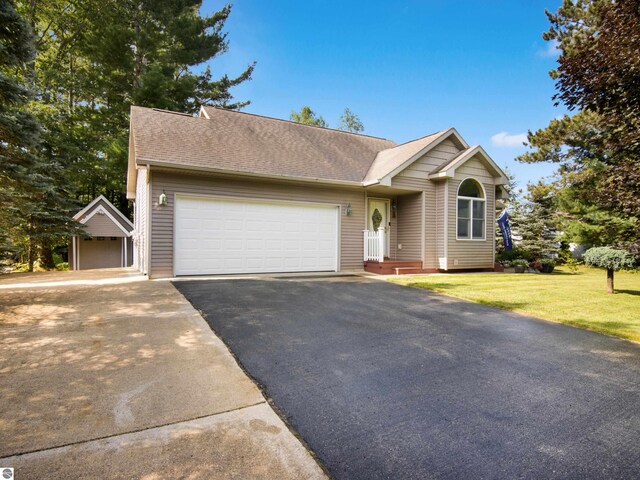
[[107, 374]]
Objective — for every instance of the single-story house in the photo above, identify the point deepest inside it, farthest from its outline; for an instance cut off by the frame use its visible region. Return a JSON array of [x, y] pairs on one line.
[[109, 239], [230, 192]]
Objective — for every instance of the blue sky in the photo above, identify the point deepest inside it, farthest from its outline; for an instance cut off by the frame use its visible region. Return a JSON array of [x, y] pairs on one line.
[[406, 68]]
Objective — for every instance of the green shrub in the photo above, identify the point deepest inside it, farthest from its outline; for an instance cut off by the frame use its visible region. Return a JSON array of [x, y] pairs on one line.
[[548, 264], [610, 258], [572, 264], [514, 254]]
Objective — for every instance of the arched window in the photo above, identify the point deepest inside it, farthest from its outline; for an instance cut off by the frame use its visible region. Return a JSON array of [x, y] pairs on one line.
[[471, 211]]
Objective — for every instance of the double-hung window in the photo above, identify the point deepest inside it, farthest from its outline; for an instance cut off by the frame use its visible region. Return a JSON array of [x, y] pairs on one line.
[[471, 211]]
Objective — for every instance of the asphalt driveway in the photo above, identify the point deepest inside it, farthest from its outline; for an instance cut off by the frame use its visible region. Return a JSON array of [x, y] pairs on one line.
[[385, 381]]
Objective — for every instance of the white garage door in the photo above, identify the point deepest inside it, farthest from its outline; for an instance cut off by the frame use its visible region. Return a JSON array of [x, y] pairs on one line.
[[217, 236]]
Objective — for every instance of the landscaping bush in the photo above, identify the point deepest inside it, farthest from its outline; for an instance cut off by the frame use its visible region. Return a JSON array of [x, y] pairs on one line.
[[511, 255], [547, 265], [520, 262]]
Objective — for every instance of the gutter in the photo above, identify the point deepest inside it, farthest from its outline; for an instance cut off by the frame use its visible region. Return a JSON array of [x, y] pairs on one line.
[[173, 166]]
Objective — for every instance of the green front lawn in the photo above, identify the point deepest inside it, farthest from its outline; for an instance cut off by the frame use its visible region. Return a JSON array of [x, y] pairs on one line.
[[579, 299]]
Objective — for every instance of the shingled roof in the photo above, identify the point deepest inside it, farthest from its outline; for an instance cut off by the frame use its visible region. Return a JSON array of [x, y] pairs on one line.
[[245, 143], [228, 141]]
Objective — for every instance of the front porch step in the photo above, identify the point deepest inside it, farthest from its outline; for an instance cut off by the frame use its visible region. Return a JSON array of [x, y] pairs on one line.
[[393, 267]]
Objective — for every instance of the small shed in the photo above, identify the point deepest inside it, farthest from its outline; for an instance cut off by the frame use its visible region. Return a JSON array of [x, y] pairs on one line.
[[109, 243]]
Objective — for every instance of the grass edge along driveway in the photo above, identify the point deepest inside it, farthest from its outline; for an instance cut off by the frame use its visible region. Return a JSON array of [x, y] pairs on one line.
[[579, 299]]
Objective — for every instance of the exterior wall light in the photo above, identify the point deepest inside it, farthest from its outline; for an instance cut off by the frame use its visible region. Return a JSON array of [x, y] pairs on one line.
[[349, 210], [162, 199]]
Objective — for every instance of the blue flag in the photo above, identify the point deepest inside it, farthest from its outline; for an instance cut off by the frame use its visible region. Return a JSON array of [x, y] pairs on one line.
[[505, 229]]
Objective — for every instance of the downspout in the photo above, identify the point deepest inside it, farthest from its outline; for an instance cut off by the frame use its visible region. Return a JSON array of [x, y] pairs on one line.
[[423, 235], [147, 246], [446, 225]]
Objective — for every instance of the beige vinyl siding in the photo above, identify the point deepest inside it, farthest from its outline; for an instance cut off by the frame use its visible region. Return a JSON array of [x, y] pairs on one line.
[[115, 214], [438, 155], [430, 228], [439, 230], [102, 226], [409, 221], [415, 177], [393, 233], [471, 253], [161, 262], [409, 183]]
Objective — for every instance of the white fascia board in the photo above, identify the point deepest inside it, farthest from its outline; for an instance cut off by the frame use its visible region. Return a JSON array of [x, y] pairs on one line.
[[88, 207], [451, 132], [111, 205], [132, 172], [104, 211], [385, 181], [450, 171]]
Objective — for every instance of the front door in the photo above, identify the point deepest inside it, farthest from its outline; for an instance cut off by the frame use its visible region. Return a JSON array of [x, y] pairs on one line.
[[378, 218]]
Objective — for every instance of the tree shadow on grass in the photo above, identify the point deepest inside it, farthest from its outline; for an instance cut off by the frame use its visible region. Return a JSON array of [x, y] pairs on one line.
[[628, 292], [452, 288], [436, 285], [511, 306], [563, 273], [618, 329]]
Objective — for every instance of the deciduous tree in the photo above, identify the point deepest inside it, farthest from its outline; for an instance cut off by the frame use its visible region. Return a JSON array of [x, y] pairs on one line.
[[308, 117], [350, 122]]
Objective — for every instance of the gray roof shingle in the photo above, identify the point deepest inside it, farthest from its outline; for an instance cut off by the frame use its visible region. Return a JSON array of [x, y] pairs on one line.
[[246, 143]]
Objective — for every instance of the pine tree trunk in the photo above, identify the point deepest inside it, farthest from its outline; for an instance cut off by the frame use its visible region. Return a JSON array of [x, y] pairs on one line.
[[610, 280], [32, 253], [46, 256]]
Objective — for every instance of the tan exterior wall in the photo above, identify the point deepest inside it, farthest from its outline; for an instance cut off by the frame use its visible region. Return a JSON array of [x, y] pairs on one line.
[[440, 230], [472, 253], [423, 209], [415, 177], [162, 218], [438, 155], [102, 226], [410, 222]]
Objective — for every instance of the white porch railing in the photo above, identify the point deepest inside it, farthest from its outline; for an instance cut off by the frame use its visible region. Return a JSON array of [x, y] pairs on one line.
[[374, 245]]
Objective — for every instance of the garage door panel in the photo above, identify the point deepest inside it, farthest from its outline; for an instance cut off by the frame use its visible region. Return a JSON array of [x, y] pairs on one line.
[[217, 236]]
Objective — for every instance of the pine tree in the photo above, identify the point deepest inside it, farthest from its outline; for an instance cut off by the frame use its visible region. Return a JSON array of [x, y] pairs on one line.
[[597, 148], [98, 57], [34, 211], [18, 128]]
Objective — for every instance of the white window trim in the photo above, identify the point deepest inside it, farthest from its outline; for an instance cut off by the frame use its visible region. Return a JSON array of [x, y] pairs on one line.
[[476, 199]]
